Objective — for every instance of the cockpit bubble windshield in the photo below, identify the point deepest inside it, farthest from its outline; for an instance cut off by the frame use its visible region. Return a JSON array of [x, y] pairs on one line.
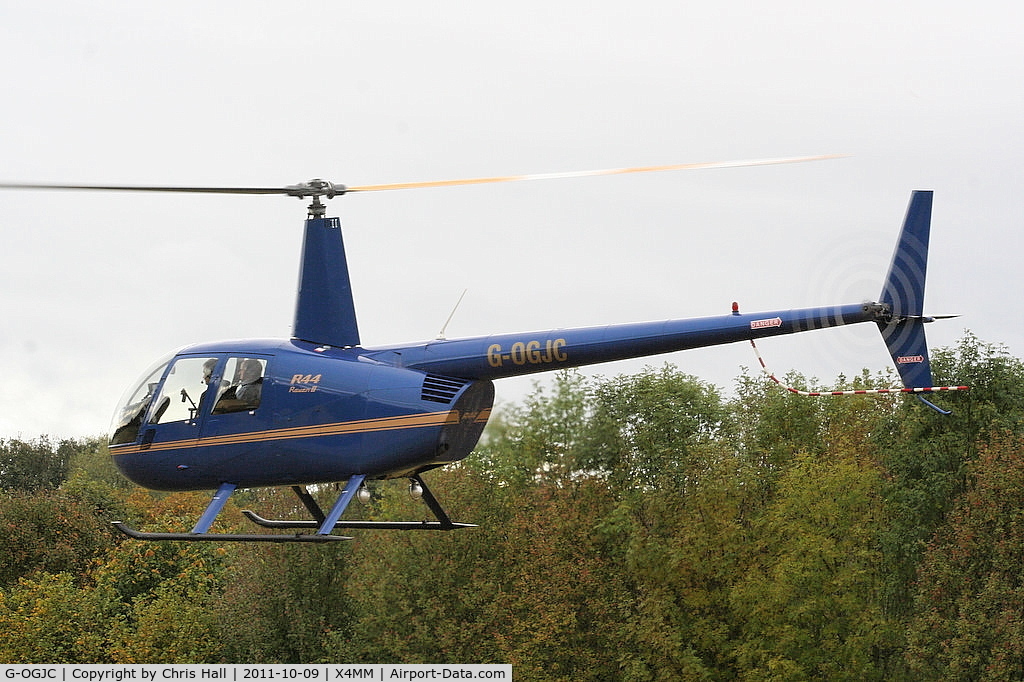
[[133, 405]]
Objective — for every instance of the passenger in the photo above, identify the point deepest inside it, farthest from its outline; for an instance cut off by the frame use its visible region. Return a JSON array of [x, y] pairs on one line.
[[250, 382]]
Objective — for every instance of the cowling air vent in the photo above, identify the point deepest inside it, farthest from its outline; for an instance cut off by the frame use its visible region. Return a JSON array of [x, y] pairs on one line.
[[440, 389]]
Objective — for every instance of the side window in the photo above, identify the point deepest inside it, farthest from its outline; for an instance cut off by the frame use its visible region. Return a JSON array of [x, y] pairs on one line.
[[242, 387], [183, 391]]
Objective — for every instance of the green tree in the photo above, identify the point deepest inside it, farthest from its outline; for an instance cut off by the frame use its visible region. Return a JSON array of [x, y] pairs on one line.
[[48, 531], [127, 602], [648, 430], [808, 603], [49, 618], [968, 621], [34, 464], [424, 596], [93, 478], [772, 425], [562, 598], [175, 621], [926, 454], [159, 600], [661, 440], [293, 598], [683, 554], [537, 583], [539, 439]]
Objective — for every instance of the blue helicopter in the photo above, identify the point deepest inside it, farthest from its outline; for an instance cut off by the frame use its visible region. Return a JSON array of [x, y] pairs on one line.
[[320, 408]]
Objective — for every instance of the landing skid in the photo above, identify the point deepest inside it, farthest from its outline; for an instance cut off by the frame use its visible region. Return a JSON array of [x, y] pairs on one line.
[[225, 537], [323, 523], [369, 525], [443, 521]]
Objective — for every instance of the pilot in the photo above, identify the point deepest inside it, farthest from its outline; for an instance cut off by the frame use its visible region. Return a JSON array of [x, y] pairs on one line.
[[208, 368], [250, 382]]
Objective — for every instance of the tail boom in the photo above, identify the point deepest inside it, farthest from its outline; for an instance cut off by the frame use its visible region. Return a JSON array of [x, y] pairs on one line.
[[506, 355]]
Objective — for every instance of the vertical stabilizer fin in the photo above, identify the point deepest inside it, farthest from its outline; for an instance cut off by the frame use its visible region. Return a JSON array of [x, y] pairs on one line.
[[904, 285], [324, 311], [902, 325]]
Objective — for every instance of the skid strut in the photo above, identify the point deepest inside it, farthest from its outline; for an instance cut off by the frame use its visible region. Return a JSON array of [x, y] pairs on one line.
[[323, 523], [199, 531]]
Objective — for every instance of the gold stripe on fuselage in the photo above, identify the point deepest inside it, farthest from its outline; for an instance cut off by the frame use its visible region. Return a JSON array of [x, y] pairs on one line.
[[413, 421]]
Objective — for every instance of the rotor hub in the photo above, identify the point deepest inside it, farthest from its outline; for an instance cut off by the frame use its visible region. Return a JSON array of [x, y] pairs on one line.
[[315, 188]]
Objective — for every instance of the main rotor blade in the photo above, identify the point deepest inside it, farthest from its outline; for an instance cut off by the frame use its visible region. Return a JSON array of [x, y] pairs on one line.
[[581, 174], [323, 188], [150, 188]]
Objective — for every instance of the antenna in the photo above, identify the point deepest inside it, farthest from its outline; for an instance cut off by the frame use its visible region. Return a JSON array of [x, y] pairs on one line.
[[440, 334]]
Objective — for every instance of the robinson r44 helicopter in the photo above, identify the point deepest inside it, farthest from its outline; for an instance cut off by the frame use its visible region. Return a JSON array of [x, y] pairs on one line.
[[320, 408]]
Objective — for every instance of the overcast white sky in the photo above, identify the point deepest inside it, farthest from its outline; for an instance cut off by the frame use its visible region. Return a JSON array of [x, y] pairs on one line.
[[94, 287]]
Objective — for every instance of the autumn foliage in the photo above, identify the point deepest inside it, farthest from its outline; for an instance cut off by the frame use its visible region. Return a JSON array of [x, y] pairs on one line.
[[642, 527]]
